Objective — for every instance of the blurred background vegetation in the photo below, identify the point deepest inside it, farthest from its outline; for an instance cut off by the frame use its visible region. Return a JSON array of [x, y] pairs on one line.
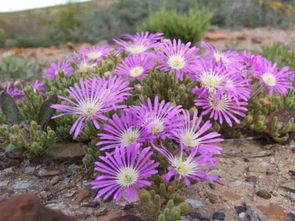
[[107, 19]]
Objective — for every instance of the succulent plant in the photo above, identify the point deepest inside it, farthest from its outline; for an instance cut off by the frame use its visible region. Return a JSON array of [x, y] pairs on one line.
[[31, 138], [172, 212], [169, 88]]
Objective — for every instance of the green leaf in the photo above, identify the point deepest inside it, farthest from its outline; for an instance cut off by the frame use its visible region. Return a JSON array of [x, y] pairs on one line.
[[9, 108], [46, 112]]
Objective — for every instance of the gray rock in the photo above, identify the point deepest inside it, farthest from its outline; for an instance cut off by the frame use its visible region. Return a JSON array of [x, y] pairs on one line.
[[218, 216], [183, 218], [289, 186], [196, 204], [4, 183], [12, 152], [29, 170], [54, 180], [66, 151], [42, 172], [22, 184], [292, 197]]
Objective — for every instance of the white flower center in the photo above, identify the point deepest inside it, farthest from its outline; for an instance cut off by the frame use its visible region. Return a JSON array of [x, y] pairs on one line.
[[94, 55], [84, 67], [136, 49], [189, 138], [129, 136], [219, 57], [183, 167], [90, 107], [269, 79], [136, 71], [157, 126], [229, 83], [176, 62], [127, 176], [219, 104], [210, 80]]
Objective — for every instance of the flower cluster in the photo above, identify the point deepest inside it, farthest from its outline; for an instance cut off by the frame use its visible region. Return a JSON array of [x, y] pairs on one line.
[[131, 136]]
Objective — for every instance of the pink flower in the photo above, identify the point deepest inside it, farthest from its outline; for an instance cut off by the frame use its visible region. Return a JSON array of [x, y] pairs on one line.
[[124, 171], [269, 76], [177, 57], [91, 99], [188, 166], [194, 134], [135, 66], [222, 108]]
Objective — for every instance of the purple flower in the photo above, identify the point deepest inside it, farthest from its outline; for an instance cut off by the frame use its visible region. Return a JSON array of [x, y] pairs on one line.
[[159, 118], [230, 59], [210, 76], [39, 87], [90, 100], [270, 77], [135, 66], [122, 131], [194, 134], [14, 92], [189, 167], [124, 171], [215, 78], [139, 43], [174, 56], [152, 37], [57, 68], [95, 53], [222, 108]]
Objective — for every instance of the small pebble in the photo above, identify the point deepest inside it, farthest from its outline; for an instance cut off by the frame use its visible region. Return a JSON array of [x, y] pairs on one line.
[[29, 170], [196, 215], [54, 180], [263, 194], [196, 204], [218, 216]]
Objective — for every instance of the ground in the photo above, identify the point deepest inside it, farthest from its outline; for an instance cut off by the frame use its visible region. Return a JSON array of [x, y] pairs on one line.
[[246, 169]]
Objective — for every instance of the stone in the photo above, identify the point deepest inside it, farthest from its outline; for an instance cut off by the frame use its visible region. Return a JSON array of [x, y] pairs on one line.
[[183, 218], [127, 218], [251, 179], [218, 216], [196, 215], [66, 151], [292, 197], [231, 196], [29, 170], [289, 186], [22, 184], [92, 204], [4, 183], [273, 211], [28, 207], [12, 152], [257, 40], [101, 211], [82, 195], [263, 194], [212, 197], [54, 180], [215, 36], [196, 204]]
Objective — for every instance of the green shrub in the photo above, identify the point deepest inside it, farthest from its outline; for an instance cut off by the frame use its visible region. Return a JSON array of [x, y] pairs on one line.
[[3, 36], [17, 67], [189, 27], [280, 53], [249, 13]]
